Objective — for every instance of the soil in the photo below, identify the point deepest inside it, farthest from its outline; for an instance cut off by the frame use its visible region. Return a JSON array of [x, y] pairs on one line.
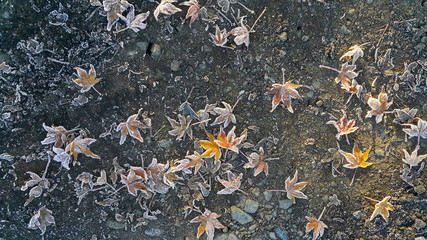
[[157, 68]]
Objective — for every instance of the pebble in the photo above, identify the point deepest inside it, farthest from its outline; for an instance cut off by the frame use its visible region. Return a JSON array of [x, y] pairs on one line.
[[175, 65], [369, 1], [271, 235], [285, 204], [283, 36], [268, 196], [251, 206], [310, 94], [241, 217], [345, 30], [316, 84], [165, 144], [153, 232], [281, 234], [419, 224], [305, 38], [227, 236], [358, 214], [115, 225], [379, 152], [143, 46], [156, 50], [319, 103]]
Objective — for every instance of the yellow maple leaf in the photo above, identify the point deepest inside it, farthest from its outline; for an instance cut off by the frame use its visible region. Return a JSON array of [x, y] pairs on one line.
[[87, 80], [212, 148], [382, 208], [356, 159]]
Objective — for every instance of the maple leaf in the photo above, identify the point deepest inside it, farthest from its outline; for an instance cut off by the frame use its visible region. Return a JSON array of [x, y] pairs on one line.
[[62, 156], [212, 148], [193, 10], [133, 182], [284, 93], [259, 162], [57, 135], [230, 141], [204, 114], [41, 219], [208, 222], [232, 185], [80, 145], [413, 160], [378, 106], [316, 225], [181, 128], [220, 37], [355, 51], [344, 127], [131, 127], [405, 116], [419, 130], [225, 114], [113, 8], [293, 189], [242, 33], [382, 208], [196, 161], [345, 74], [133, 22], [166, 7], [85, 80], [356, 159]]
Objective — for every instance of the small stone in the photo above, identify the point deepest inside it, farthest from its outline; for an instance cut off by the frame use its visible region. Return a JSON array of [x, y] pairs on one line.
[[271, 235], [310, 94], [115, 225], [305, 38], [175, 65], [319, 103], [419, 224], [268, 196], [165, 144], [143, 46], [283, 36], [156, 50], [379, 152], [285, 204], [281, 234], [241, 217], [316, 84], [369, 1], [227, 236], [345, 30], [251, 206]]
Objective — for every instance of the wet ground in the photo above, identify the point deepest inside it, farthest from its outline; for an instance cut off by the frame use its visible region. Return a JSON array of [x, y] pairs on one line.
[[157, 68]]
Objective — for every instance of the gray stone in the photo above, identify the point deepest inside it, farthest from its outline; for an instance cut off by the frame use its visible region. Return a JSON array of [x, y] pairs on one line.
[[115, 225], [305, 38], [227, 236], [156, 50], [281, 233], [271, 235], [143, 46], [379, 152], [345, 30], [419, 224], [310, 94], [268, 196], [165, 144], [283, 36], [175, 65], [241, 217], [285, 204], [316, 84], [251, 206], [369, 1]]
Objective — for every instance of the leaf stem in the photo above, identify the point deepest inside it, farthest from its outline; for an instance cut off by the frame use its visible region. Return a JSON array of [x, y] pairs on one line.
[[258, 19], [371, 199], [330, 68]]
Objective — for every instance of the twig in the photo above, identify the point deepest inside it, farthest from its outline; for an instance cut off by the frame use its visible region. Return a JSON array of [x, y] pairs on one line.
[[371, 199], [382, 35], [57, 61], [257, 19]]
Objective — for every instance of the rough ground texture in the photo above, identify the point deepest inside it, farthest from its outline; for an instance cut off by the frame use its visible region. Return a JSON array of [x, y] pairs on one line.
[[292, 35]]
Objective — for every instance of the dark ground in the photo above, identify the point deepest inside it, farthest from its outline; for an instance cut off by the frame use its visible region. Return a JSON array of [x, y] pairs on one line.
[[316, 34]]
